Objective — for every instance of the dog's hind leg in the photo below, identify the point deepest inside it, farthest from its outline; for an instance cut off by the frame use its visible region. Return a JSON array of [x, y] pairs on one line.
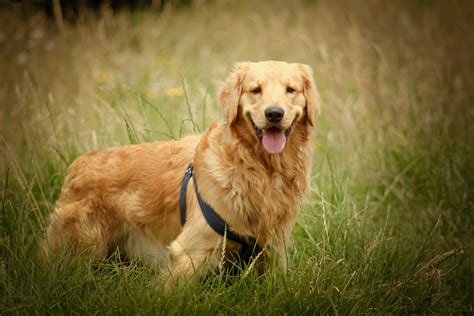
[[76, 226]]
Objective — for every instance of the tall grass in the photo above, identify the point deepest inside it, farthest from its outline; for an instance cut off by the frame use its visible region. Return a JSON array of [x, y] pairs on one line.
[[387, 226]]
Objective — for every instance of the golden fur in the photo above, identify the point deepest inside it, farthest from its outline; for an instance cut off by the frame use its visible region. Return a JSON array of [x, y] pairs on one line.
[[127, 197]]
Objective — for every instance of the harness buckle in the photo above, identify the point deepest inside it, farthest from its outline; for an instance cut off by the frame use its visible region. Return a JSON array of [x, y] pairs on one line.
[[189, 169]]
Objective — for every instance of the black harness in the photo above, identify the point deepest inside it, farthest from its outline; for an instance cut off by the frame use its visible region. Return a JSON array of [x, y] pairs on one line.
[[249, 247]]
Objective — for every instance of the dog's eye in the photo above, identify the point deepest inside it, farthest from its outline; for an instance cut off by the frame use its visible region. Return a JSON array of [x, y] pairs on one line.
[[290, 89], [256, 90]]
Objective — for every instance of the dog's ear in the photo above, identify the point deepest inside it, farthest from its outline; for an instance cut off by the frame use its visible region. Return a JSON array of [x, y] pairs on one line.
[[313, 107], [230, 93]]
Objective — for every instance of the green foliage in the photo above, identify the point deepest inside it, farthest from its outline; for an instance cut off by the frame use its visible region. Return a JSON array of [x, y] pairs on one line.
[[387, 226]]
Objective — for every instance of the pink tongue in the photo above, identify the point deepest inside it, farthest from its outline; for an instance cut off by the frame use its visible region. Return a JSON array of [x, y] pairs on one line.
[[273, 140]]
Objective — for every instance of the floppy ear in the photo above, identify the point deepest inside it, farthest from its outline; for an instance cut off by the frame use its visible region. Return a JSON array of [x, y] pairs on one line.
[[313, 107], [230, 93]]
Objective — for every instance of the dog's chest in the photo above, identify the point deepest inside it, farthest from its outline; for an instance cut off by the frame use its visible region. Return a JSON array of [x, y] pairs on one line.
[[255, 192]]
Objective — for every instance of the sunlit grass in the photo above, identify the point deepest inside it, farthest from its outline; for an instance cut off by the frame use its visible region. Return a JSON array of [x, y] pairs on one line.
[[387, 225]]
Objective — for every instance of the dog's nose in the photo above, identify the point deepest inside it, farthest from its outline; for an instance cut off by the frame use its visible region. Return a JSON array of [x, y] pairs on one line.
[[274, 114]]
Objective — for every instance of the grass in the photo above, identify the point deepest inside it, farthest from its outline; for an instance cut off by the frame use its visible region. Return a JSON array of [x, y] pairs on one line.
[[387, 227]]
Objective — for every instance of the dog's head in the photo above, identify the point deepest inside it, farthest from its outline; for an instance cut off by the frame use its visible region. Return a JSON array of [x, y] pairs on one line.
[[271, 97]]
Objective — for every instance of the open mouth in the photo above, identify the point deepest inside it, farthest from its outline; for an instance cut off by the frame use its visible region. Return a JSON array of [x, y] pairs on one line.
[[272, 138]]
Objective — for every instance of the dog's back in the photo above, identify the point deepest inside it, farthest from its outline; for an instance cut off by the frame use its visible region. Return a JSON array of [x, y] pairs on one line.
[[122, 191]]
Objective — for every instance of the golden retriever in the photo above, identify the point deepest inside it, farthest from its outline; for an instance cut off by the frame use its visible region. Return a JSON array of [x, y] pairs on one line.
[[252, 167]]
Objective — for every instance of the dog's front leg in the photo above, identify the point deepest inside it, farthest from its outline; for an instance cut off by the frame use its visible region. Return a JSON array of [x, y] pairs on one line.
[[278, 254], [193, 252], [282, 255]]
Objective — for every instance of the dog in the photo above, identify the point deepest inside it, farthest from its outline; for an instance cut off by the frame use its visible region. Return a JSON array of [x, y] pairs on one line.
[[252, 168]]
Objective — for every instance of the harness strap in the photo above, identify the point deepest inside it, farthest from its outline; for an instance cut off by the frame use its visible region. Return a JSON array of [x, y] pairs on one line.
[[182, 194], [248, 250]]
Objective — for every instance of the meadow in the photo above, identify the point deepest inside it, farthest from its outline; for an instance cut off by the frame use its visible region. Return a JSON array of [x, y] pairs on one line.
[[387, 225]]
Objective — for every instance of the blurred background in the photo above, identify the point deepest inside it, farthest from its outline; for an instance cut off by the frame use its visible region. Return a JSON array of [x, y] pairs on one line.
[[82, 61], [388, 222]]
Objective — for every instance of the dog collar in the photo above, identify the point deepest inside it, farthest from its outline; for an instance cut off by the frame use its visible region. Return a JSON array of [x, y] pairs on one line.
[[249, 247]]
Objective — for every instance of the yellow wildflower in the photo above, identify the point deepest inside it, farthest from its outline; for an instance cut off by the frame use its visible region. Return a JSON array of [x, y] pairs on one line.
[[174, 92], [103, 77], [152, 93]]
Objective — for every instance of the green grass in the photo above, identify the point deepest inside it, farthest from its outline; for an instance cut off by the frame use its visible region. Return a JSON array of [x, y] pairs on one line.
[[387, 226]]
